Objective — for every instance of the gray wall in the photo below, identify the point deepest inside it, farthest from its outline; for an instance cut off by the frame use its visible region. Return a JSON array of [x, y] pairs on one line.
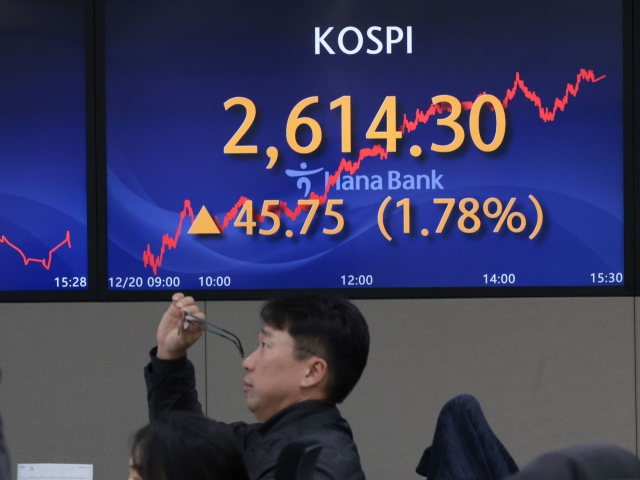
[[549, 372]]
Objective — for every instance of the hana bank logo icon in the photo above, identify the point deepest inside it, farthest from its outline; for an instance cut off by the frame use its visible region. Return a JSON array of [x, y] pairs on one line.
[[301, 175]]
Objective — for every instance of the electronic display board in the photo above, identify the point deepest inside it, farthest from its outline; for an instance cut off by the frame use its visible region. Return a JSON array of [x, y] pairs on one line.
[[373, 146], [44, 240]]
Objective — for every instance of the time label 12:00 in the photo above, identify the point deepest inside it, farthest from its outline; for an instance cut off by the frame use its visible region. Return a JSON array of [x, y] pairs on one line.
[[357, 280]]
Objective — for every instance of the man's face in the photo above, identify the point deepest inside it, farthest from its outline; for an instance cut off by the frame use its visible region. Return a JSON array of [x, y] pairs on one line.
[[273, 374]]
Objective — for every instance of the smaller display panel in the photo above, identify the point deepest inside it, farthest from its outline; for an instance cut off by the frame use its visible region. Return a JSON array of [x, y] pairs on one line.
[[378, 146], [43, 148]]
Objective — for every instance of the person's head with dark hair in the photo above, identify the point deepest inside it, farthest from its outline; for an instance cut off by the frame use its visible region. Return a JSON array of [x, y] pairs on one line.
[[185, 446], [311, 348]]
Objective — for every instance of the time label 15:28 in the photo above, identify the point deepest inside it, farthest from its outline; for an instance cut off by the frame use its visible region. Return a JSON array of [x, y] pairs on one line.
[[71, 282]]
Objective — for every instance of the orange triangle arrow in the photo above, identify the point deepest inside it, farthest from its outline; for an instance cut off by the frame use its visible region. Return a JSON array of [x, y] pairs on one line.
[[204, 224]]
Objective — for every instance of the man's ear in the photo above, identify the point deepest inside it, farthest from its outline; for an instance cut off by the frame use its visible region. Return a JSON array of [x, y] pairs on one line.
[[316, 374]]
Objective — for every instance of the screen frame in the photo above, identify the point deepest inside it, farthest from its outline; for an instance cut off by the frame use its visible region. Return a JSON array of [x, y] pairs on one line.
[[631, 223], [91, 294], [633, 121]]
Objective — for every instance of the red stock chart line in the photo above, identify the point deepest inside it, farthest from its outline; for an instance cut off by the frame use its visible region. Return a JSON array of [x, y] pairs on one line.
[[168, 242], [45, 262], [547, 115]]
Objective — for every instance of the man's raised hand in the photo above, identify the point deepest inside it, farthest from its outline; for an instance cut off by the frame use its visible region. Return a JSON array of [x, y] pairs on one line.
[[172, 346]]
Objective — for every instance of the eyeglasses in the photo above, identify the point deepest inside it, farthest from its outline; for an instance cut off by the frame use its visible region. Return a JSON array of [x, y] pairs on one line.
[[200, 321]]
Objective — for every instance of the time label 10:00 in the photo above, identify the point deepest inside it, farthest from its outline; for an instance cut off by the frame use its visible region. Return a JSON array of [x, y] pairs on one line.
[[389, 133]]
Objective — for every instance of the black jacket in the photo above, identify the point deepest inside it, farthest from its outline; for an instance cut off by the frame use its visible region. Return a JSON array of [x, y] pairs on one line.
[[171, 386], [464, 446], [583, 462], [5, 464]]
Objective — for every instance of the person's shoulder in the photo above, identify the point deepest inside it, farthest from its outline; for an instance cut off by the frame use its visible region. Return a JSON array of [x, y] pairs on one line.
[[317, 420], [339, 457]]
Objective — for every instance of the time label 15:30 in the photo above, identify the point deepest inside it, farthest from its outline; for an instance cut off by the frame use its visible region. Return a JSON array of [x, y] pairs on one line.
[[609, 277]]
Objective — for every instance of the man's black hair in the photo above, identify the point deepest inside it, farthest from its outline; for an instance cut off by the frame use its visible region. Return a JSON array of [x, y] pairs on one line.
[[186, 446], [329, 328]]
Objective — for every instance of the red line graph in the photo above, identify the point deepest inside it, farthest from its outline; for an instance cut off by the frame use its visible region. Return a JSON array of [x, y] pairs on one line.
[[547, 115], [46, 263], [168, 242]]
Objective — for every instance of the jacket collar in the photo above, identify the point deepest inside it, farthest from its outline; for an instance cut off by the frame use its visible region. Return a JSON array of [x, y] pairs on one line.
[[294, 413]]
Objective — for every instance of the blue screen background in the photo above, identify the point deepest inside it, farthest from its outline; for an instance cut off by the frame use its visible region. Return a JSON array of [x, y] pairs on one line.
[[43, 187], [171, 65]]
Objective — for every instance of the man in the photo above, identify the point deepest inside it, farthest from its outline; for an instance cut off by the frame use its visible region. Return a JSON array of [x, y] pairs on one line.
[[312, 351], [5, 463]]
